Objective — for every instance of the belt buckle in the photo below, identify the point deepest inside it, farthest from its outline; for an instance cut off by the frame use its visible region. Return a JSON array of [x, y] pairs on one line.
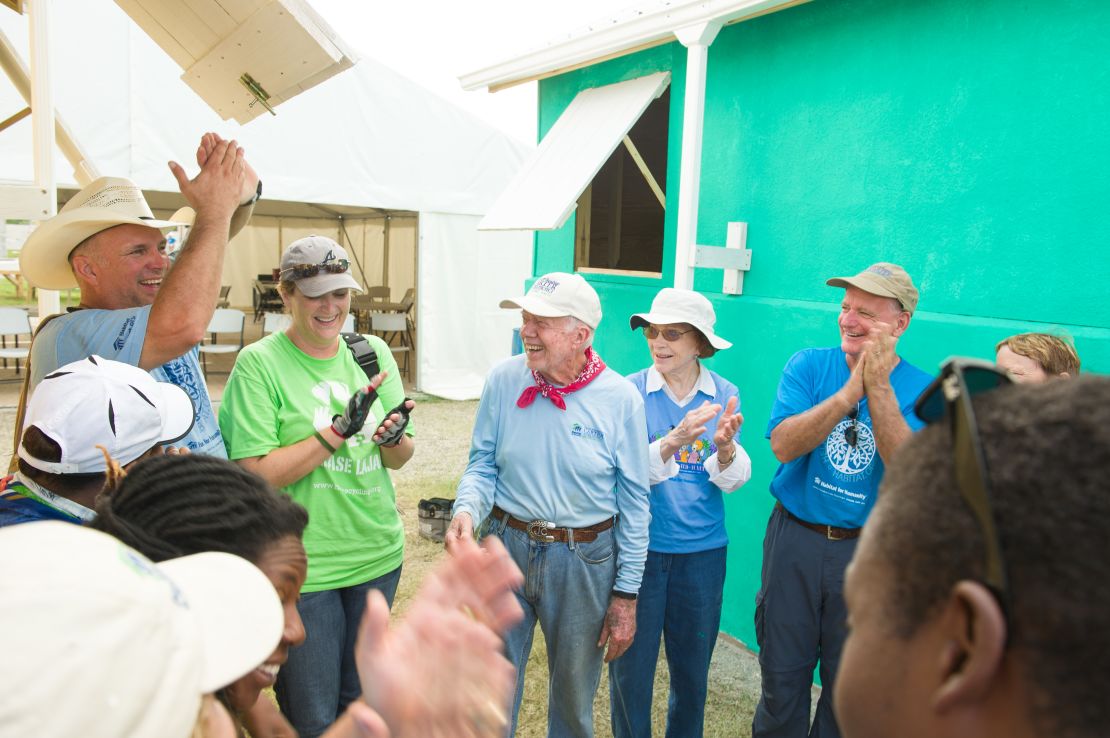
[[833, 536], [537, 531]]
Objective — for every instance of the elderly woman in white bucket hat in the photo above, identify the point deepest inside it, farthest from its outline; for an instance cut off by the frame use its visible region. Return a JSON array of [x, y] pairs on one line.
[[299, 411], [693, 417]]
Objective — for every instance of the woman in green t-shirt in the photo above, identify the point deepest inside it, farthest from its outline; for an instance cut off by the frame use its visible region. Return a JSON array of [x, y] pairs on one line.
[[297, 411]]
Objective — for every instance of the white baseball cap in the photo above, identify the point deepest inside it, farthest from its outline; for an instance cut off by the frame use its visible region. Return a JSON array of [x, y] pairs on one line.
[[104, 203], [682, 306], [98, 401], [103, 643], [559, 294], [324, 254]]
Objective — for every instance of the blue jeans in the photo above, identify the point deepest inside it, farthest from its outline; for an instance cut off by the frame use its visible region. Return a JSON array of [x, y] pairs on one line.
[[566, 589], [320, 679], [680, 600], [800, 617]]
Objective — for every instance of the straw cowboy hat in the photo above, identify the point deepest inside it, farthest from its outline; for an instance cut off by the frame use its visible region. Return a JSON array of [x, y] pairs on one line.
[[103, 204]]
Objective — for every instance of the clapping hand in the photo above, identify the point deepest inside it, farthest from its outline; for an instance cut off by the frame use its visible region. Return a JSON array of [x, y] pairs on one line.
[[358, 408], [728, 425], [441, 672]]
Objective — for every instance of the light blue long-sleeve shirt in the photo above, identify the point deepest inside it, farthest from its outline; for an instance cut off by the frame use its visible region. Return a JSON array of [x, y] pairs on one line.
[[574, 468]]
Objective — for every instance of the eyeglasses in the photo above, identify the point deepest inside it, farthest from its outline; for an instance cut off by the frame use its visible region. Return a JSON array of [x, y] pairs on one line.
[[669, 334], [851, 432], [950, 394], [304, 271]]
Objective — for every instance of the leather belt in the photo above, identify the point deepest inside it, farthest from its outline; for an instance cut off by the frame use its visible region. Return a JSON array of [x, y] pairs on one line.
[[546, 532], [830, 532]]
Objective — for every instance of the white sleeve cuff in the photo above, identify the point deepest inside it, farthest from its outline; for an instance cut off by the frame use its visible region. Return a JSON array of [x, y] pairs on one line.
[[659, 470], [732, 477]]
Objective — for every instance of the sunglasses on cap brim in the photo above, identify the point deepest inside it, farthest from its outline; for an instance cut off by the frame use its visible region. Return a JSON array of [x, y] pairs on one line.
[[304, 271]]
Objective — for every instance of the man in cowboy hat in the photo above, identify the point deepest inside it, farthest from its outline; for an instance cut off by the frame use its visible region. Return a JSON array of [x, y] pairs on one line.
[[558, 471], [839, 415], [133, 308]]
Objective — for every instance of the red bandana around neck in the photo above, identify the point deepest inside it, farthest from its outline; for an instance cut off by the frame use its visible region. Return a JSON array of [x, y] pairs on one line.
[[594, 366]]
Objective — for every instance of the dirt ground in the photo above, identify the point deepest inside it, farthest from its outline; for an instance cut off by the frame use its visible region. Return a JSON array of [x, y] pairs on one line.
[[443, 438]]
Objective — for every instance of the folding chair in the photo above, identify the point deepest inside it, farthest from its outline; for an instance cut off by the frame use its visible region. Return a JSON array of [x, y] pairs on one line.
[[394, 327], [224, 320], [13, 324]]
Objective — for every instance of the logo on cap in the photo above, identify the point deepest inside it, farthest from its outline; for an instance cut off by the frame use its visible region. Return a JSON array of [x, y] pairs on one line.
[[545, 285]]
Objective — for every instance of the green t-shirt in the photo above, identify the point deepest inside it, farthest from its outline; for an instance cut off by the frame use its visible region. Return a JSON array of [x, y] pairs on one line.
[[278, 395]]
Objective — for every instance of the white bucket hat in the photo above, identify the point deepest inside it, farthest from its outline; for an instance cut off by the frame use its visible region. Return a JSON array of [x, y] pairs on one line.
[[682, 306], [110, 644], [98, 401], [321, 252], [105, 203], [558, 294]]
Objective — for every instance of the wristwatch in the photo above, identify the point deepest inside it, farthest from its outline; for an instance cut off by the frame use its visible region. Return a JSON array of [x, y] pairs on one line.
[[253, 200], [624, 595]]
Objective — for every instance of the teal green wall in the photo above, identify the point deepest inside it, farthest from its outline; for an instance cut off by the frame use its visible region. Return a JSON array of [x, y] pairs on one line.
[[967, 141]]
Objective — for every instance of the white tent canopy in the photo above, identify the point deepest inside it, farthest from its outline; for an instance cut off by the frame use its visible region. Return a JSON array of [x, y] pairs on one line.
[[368, 143]]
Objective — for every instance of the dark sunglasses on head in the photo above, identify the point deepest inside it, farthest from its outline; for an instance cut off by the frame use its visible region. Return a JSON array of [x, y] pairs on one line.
[[669, 334], [304, 271], [950, 395]]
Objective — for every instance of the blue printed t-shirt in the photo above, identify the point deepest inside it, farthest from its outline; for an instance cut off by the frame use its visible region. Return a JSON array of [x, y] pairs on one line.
[[119, 335], [835, 483], [687, 511]]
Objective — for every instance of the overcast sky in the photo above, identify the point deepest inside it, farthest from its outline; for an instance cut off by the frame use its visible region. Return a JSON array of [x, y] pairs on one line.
[[436, 41]]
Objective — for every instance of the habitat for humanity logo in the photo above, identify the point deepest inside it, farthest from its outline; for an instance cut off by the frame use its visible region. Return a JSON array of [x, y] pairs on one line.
[[546, 285], [581, 431]]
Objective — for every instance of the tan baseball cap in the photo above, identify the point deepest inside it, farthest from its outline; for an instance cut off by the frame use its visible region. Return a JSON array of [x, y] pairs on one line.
[[885, 280]]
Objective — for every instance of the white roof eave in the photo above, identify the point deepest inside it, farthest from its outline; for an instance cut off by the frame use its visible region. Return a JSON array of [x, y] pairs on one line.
[[640, 27]]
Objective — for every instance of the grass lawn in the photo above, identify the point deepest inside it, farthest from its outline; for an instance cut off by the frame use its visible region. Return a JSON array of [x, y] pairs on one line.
[[8, 297]]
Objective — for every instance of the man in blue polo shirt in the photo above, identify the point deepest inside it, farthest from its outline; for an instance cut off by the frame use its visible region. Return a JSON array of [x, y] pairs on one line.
[[840, 414]]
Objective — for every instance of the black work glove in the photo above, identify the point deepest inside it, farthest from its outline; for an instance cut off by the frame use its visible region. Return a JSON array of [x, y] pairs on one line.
[[392, 435], [354, 416]]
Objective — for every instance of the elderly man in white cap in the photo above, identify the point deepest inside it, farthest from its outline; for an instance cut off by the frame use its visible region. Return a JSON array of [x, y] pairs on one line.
[[133, 308], [840, 414], [74, 413], [558, 471]]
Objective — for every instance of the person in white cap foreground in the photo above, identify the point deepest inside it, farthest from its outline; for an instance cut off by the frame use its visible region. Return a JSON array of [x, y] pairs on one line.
[[693, 420], [299, 411], [840, 414], [558, 471], [173, 506], [105, 644], [133, 308], [74, 413]]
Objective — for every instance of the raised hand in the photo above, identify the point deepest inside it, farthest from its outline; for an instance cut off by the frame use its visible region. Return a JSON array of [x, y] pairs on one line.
[[216, 190], [357, 411], [392, 429], [250, 178], [879, 356], [694, 424], [441, 672], [728, 425]]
